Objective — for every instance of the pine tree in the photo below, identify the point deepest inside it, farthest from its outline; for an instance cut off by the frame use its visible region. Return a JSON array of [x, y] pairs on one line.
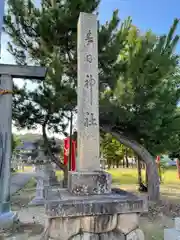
[[47, 36], [141, 109], [138, 73]]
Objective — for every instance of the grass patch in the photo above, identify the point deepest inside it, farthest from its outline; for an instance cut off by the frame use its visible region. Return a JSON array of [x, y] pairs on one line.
[[26, 169], [31, 184], [59, 175], [13, 173], [130, 176], [124, 176]]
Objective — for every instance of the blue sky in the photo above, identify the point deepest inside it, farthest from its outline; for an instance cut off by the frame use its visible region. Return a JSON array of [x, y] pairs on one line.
[[157, 15], [146, 14]]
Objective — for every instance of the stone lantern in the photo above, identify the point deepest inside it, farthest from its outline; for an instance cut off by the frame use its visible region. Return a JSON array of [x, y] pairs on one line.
[[45, 177]]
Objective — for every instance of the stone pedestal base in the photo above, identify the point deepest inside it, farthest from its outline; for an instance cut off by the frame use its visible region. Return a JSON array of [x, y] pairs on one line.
[[105, 216], [45, 178], [95, 228], [89, 183]]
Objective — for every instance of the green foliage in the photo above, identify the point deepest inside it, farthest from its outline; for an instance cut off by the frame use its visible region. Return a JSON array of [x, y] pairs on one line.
[[46, 35], [143, 102], [175, 154], [113, 151], [138, 73], [56, 146], [15, 141]]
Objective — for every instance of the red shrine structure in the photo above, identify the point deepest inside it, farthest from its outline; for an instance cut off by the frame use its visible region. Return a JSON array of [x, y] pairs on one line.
[[73, 153]]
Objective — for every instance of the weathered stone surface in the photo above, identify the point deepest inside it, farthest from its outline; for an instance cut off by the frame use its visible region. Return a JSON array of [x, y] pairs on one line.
[[5, 149], [46, 172], [88, 94], [99, 224], [127, 222], [53, 193], [64, 228], [135, 235], [89, 183], [71, 206], [86, 236], [171, 234], [177, 223], [114, 235], [45, 177]]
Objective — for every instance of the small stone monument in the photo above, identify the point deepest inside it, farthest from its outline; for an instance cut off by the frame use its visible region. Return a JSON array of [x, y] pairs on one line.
[[89, 208], [45, 177]]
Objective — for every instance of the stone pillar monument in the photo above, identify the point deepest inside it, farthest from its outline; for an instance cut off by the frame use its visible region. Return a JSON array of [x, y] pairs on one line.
[[89, 208], [88, 94], [88, 179]]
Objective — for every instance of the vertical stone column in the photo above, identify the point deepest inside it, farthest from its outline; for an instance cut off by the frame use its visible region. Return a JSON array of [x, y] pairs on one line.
[[6, 216], [88, 179], [2, 3], [88, 94]]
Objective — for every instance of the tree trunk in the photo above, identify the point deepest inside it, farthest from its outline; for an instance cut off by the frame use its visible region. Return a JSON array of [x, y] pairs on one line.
[[146, 177], [52, 156], [153, 178], [123, 162], [178, 167], [65, 180], [126, 157], [159, 171], [139, 171]]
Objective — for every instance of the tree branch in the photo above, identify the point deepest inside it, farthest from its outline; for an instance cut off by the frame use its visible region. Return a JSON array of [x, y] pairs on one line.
[[48, 146], [142, 152]]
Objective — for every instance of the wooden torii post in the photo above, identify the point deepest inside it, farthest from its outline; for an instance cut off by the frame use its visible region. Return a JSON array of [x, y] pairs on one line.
[[7, 73]]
